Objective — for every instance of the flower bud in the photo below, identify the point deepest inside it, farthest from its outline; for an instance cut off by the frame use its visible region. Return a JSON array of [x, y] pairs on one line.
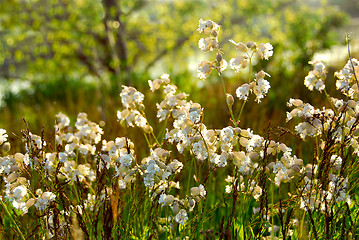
[[30, 202], [147, 129], [230, 99], [19, 157], [214, 33], [141, 107], [6, 147], [12, 177], [251, 44]]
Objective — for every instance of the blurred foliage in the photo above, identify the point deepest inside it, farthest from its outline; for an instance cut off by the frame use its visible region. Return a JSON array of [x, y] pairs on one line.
[[55, 43]]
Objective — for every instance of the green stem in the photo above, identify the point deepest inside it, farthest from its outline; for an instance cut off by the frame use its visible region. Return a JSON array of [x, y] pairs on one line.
[[154, 136], [240, 112], [148, 142], [330, 102], [229, 107], [12, 219]]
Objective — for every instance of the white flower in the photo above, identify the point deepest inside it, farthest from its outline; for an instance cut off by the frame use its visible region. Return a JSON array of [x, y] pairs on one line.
[[121, 184], [207, 44], [200, 151], [62, 156], [265, 50], [238, 63], [255, 142], [152, 167], [44, 200], [261, 89], [3, 136], [202, 190], [304, 129], [126, 160], [181, 217], [207, 26], [19, 192], [243, 91], [204, 69]]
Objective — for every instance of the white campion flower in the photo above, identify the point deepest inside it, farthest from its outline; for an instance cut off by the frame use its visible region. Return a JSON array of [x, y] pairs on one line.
[[3, 136], [126, 160], [265, 50], [165, 199], [207, 26], [307, 111], [238, 63], [239, 46], [121, 184], [152, 167], [130, 96], [305, 129], [207, 44], [242, 92], [204, 69], [261, 89], [227, 134], [200, 151], [44, 200], [62, 157], [19, 192], [315, 78], [257, 192], [255, 142], [181, 217], [62, 121]]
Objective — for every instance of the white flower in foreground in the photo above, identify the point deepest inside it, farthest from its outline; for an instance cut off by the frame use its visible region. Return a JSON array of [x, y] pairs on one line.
[[3, 136], [261, 89], [181, 217], [19, 192], [126, 159], [265, 50], [243, 91], [44, 200]]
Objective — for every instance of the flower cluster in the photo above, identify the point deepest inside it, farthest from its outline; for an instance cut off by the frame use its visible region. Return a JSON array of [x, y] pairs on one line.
[[263, 51], [316, 77], [259, 87], [346, 81], [133, 113], [210, 43]]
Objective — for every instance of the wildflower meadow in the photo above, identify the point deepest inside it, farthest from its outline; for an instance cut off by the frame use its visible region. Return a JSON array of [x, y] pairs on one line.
[[193, 182]]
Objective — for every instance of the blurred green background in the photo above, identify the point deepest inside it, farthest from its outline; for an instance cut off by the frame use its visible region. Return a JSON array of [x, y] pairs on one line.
[[73, 55]]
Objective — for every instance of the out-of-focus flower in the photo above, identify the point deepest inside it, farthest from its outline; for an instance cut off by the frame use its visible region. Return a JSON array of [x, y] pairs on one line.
[[204, 69], [265, 50], [315, 78], [3, 136], [208, 44], [181, 217], [208, 27]]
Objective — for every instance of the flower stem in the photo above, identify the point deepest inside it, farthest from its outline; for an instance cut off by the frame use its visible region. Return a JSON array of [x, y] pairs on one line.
[[229, 107], [12, 219]]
